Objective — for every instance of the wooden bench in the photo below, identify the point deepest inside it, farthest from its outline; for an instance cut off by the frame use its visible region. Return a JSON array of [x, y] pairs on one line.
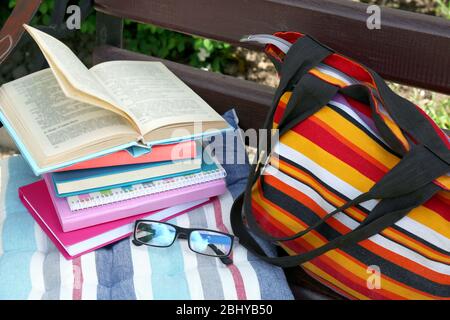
[[409, 48]]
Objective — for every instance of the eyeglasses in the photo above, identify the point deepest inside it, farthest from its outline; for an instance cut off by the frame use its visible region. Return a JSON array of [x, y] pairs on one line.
[[202, 241]]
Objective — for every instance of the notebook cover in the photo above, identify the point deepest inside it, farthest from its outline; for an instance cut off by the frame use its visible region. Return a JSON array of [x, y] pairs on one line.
[[73, 220], [36, 199], [61, 177], [137, 189], [178, 151]]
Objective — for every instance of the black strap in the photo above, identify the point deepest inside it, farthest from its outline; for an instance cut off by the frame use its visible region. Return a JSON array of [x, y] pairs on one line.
[[411, 120], [305, 54], [393, 211], [309, 95]]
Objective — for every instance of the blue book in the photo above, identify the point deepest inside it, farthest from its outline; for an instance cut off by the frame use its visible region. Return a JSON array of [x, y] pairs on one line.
[[58, 117], [70, 183]]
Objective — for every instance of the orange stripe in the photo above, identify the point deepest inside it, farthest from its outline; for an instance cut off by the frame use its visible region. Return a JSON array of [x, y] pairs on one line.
[[351, 145], [359, 215], [316, 240], [336, 255], [368, 244], [325, 77]]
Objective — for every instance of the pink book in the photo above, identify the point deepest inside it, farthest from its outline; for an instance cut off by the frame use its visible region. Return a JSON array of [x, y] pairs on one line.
[[176, 151], [73, 220], [36, 199]]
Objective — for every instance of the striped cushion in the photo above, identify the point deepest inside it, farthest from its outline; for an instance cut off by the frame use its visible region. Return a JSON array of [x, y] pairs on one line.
[[32, 268], [325, 161]]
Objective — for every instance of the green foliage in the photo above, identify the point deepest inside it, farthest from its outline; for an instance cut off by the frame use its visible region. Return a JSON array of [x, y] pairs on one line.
[[439, 112], [155, 41], [166, 44], [443, 8]]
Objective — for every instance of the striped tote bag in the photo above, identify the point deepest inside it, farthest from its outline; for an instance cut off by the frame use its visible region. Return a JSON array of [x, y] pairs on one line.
[[356, 189]]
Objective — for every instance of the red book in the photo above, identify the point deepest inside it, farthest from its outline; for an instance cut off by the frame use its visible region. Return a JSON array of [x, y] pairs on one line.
[[36, 199], [166, 152]]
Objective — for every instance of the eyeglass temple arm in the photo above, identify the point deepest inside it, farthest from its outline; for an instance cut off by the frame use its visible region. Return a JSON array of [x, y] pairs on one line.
[[225, 259]]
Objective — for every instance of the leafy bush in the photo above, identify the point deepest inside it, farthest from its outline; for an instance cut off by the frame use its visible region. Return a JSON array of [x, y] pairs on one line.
[[155, 41], [166, 44], [443, 8]]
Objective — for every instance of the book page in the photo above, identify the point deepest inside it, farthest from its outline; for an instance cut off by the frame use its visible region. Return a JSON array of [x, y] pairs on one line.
[[73, 76], [43, 115], [152, 94]]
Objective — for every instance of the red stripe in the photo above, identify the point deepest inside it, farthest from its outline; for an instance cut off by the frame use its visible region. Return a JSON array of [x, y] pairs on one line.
[[77, 279], [300, 246], [438, 205], [349, 67], [279, 111], [327, 141], [361, 107], [237, 277]]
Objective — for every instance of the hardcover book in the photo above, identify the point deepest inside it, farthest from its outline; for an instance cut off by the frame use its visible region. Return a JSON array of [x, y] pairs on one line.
[[68, 113], [36, 199]]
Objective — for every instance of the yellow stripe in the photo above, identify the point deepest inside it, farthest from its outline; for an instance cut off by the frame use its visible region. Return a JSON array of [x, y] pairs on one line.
[[395, 130], [322, 274], [327, 161], [357, 215], [355, 135], [328, 78], [334, 255], [317, 187], [420, 248], [285, 97], [444, 180], [431, 219]]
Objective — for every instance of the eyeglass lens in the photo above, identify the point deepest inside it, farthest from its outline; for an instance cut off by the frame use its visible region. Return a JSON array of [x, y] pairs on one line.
[[201, 241]]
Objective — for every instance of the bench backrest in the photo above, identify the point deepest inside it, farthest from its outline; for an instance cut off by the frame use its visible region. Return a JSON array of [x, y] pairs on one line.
[[409, 48]]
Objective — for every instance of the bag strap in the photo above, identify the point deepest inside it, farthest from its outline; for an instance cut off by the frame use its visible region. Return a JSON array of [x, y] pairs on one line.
[[416, 169], [387, 188], [394, 211], [305, 54]]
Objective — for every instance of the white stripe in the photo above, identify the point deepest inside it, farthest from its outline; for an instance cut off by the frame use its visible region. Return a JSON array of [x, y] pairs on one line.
[[336, 74], [424, 232], [37, 264], [240, 258], [341, 186], [190, 262], [226, 278], [322, 174], [41, 238], [349, 111], [67, 279], [352, 224], [37, 276], [142, 270], [90, 280], [3, 184]]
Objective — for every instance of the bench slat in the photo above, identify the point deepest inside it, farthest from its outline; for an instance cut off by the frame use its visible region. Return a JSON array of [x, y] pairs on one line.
[[410, 48], [251, 100]]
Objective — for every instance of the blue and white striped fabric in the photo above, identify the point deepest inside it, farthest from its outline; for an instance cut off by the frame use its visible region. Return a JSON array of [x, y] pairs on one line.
[[32, 268]]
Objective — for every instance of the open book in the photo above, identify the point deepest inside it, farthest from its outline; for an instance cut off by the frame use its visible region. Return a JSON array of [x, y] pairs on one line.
[[69, 113]]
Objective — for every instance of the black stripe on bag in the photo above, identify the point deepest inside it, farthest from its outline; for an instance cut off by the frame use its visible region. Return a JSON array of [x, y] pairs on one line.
[[362, 254], [361, 208]]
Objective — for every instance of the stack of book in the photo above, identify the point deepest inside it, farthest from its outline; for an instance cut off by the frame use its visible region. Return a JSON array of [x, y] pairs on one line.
[[114, 143]]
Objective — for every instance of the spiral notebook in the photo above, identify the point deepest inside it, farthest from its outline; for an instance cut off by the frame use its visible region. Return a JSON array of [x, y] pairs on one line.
[[210, 171], [94, 199]]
